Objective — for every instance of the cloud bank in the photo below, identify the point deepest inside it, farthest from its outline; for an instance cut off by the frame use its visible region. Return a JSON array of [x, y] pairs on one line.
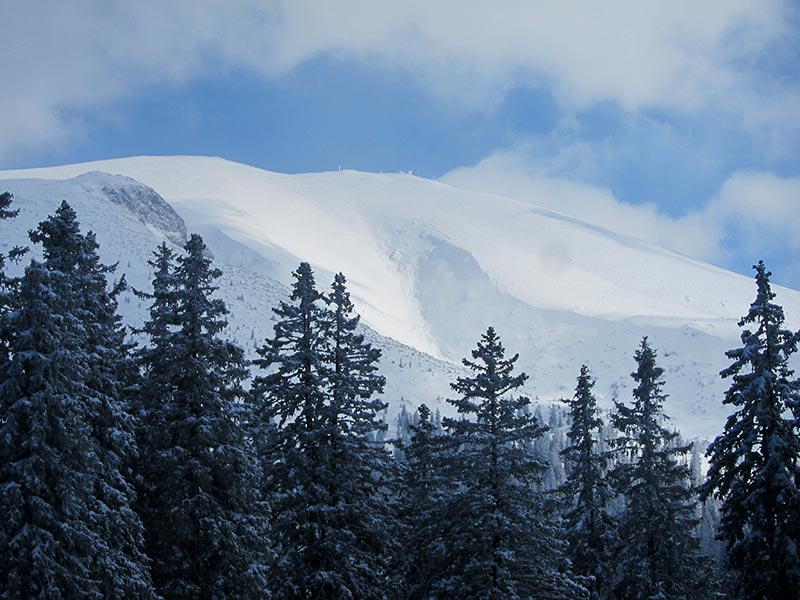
[[63, 60], [753, 215]]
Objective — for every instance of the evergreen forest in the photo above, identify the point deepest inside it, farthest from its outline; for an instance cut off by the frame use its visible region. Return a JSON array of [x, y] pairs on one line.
[[159, 462]]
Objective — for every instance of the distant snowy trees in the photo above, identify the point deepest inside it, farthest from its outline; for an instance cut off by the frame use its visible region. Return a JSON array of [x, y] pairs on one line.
[[157, 471]]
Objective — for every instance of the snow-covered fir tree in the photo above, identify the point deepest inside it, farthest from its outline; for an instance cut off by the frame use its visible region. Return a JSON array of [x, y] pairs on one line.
[[319, 387], [359, 513], [110, 371], [67, 443], [501, 539], [291, 394], [6, 283], [423, 491], [755, 463], [658, 550], [589, 528], [206, 521]]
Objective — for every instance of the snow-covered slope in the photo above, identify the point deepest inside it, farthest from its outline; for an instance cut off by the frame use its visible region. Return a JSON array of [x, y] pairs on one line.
[[128, 235], [431, 266]]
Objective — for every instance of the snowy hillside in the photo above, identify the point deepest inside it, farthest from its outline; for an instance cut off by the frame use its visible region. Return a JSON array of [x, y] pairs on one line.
[[127, 235], [430, 266]]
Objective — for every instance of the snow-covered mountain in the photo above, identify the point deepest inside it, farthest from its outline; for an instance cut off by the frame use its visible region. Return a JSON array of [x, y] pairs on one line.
[[429, 266]]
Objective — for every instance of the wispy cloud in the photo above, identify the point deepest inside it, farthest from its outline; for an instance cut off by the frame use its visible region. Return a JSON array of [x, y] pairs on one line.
[[512, 174], [753, 215]]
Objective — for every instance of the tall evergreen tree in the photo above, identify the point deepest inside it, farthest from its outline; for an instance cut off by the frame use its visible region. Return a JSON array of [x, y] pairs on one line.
[[14, 254], [755, 463], [154, 358], [206, 522], [589, 528], [319, 390], [501, 539], [110, 372], [6, 283], [61, 405], [291, 395], [423, 490], [658, 549], [358, 514]]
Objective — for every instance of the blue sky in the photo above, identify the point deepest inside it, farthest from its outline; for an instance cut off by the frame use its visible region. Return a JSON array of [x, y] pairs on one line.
[[676, 122]]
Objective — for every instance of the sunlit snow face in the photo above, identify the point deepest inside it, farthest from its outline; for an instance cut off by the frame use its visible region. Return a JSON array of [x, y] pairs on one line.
[[429, 268]]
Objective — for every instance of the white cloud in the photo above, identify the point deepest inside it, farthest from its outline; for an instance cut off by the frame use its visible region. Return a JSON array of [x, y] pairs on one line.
[[511, 174], [754, 215], [61, 59], [762, 210]]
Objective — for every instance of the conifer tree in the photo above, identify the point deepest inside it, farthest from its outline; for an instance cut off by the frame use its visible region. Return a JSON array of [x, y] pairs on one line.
[[67, 440], [501, 539], [423, 492], [589, 528], [291, 394], [358, 516], [206, 521], [6, 283], [657, 555], [755, 463], [329, 518], [6, 198], [154, 357], [110, 371]]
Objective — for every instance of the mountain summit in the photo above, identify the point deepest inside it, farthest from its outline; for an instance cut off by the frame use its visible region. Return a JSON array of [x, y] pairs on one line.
[[429, 267]]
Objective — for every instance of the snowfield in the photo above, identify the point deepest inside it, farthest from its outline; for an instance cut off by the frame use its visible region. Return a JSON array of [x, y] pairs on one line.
[[429, 267]]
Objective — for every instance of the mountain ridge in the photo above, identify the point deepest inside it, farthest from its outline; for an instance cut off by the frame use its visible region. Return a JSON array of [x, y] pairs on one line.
[[431, 266]]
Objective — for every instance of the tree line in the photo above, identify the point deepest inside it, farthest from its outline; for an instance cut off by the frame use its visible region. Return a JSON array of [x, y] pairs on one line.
[[166, 469]]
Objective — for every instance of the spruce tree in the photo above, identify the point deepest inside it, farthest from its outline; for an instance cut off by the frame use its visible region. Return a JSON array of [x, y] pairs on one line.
[[657, 556], [318, 390], [589, 528], [110, 372], [153, 358], [754, 464], [206, 522], [291, 394], [358, 515], [423, 490], [47, 460], [6, 283], [67, 444], [501, 538]]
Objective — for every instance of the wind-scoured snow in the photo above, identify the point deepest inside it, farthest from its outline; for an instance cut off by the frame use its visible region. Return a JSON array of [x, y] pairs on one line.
[[431, 266]]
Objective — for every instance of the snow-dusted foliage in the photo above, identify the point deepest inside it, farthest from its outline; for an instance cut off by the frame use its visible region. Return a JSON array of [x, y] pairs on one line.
[[755, 463], [323, 469], [68, 528], [205, 519], [147, 472], [500, 538], [423, 490], [658, 550], [589, 528], [6, 283]]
